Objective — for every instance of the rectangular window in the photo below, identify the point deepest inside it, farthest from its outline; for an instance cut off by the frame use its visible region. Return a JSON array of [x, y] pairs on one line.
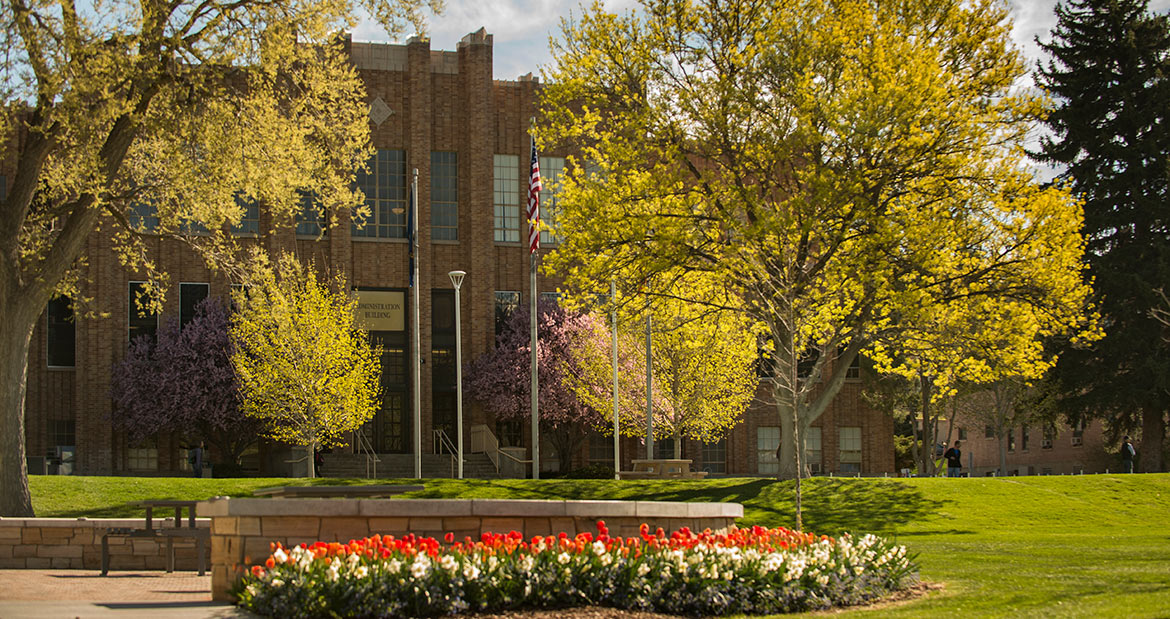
[[310, 217], [190, 295], [143, 322], [1078, 434], [1011, 440], [510, 433], [600, 449], [506, 302], [554, 297], [1049, 437], [1024, 438], [812, 449], [143, 217], [3, 187], [853, 372], [962, 434], [988, 432], [142, 458], [715, 457], [551, 169], [384, 186], [767, 440], [62, 337], [664, 449], [507, 198], [443, 360], [444, 196], [849, 442], [249, 223], [62, 432]]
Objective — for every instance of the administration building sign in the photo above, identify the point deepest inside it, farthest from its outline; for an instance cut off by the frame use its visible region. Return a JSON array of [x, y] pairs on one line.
[[381, 310]]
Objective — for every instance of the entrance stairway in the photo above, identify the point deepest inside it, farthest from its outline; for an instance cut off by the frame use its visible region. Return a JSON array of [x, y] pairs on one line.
[[401, 466]]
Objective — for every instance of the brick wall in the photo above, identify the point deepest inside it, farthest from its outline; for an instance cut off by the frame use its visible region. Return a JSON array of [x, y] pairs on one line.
[[76, 543]]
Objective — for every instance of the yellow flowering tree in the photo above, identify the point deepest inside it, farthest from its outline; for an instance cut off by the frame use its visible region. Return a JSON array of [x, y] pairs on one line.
[[149, 119], [842, 166], [305, 369]]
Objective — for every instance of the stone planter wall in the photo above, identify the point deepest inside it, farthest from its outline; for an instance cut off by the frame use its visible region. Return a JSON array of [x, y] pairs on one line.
[[243, 529], [76, 543]]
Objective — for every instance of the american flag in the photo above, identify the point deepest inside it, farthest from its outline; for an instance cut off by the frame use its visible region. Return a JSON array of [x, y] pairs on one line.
[[534, 202]]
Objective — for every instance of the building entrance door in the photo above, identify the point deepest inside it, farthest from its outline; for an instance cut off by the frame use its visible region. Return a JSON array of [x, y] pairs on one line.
[[390, 428]]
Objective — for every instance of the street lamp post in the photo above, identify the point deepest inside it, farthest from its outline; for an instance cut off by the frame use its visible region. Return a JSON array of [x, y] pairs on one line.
[[457, 280]]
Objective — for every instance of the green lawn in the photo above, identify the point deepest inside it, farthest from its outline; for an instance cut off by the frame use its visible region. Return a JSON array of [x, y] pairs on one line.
[[1085, 546]]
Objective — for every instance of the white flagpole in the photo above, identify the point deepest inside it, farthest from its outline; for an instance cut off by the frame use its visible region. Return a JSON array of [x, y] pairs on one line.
[[617, 458], [416, 352]]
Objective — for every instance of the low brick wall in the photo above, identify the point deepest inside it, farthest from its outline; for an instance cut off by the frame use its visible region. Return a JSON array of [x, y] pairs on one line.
[[242, 529], [76, 543]]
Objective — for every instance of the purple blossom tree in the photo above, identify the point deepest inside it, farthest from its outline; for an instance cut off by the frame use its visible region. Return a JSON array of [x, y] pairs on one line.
[[575, 378], [185, 384]]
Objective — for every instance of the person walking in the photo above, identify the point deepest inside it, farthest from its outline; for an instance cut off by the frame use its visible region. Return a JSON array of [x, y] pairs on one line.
[[1127, 455], [954, 457], [195, 458]]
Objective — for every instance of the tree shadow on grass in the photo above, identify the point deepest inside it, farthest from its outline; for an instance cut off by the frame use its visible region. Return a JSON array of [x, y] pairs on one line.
[[830, 506]]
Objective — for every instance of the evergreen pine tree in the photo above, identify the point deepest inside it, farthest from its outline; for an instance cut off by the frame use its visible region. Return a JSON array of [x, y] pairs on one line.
[[1108, 73]]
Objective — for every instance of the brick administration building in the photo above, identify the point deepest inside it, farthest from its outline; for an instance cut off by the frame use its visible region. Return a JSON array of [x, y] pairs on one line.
[[466, 133]]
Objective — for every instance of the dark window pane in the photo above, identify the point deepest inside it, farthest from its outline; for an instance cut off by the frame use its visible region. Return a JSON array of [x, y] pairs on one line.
[[61, 334]]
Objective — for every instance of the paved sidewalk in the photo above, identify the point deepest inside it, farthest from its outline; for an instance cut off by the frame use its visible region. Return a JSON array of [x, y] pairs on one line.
[[43, 594]]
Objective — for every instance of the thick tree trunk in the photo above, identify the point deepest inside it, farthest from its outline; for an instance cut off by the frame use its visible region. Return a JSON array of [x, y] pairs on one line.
[[15, 500], [1150, 455]]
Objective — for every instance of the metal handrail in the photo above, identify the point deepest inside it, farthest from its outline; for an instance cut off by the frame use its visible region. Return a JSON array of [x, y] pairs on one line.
[[365, 446], [491, 446], [442, 441]]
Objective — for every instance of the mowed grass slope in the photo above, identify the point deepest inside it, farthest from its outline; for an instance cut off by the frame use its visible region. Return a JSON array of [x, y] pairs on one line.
[[1083, 546]]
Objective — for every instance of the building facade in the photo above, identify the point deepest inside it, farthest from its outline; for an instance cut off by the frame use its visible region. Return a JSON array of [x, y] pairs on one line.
[[1037, 449], [440, 113]]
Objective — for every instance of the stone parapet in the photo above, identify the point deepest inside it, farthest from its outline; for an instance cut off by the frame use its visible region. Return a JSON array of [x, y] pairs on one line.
[[243, 529], [76, 543]]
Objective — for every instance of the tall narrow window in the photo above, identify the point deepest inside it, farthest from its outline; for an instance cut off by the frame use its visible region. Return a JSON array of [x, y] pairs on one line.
[[61, 334], [310, 217], [143, 322], [249, 223], [1024, 438], [812, 449], [1049, 436], [849, 440], [3, 187], [444, 196], [664, 448], [507, 198], [551, 169], [189, 297], [384, 186], [853, 372], [1078, 433], [506, 302], [443, 360], [767, 440], [715, 457]]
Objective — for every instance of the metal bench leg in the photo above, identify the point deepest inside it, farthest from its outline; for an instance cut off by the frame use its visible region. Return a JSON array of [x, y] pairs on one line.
[[105, 554], [200, 547]]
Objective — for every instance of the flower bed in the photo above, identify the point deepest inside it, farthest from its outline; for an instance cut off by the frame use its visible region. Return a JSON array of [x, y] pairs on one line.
[[753, 571]]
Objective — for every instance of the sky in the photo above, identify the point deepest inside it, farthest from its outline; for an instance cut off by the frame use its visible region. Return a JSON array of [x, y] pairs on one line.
[[521, 28]]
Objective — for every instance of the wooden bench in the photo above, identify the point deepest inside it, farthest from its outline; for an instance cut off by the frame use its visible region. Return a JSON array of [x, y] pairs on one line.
[[348, 492], [662, 469], [201, 536]]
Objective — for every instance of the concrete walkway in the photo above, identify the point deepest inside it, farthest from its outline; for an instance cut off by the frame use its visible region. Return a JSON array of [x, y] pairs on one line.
[[43, 594]]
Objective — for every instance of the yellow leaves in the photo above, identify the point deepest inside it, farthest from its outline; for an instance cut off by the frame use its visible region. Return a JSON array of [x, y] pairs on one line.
[[302, 363]]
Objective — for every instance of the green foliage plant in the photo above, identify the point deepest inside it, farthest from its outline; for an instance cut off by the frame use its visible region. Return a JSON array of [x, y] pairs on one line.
[[849, 170], [305, 369]]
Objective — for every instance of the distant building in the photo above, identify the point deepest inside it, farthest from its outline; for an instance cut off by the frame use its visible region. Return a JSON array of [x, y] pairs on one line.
[[1037, 449], [442, 113]]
